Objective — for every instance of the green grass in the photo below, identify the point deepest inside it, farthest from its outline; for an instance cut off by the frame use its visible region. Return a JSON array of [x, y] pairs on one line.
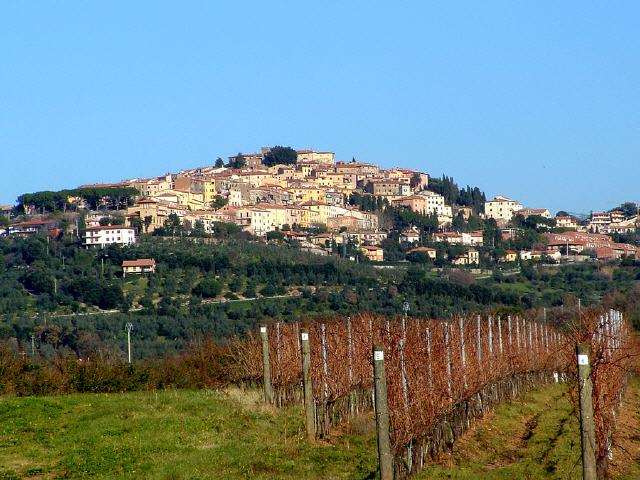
[[193, 435], [535, 437], [169, 435]]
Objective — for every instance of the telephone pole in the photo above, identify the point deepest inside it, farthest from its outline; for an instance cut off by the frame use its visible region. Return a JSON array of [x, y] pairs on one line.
[[129, 327]]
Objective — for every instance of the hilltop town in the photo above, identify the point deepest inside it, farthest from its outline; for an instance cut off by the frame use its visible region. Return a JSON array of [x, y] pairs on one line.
[[349, 208]]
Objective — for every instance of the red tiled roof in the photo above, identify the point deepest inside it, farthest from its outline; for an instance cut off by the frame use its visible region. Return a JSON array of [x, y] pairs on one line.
[[141, 262], [422, 249], [31, 223]]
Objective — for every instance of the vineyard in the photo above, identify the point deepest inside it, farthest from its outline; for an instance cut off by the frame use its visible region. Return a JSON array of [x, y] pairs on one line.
[[440, 375]]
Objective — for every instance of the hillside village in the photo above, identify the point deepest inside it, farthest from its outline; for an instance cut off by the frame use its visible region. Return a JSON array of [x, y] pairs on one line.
[[353, 209]]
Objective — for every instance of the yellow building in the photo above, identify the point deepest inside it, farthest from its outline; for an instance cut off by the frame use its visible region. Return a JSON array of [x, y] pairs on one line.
[[373, 253], [322, 209], [301, 194], [327, 158]]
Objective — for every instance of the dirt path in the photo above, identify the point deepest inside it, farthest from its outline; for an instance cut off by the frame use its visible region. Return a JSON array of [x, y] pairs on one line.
[[625, 462], [535, 437]]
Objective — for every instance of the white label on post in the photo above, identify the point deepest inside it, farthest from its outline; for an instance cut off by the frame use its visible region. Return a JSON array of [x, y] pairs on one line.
[[304, 336], [263, 329], [583, 360], [378, 355]]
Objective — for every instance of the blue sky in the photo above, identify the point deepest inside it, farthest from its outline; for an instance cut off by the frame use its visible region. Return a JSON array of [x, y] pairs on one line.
[[539, 101]]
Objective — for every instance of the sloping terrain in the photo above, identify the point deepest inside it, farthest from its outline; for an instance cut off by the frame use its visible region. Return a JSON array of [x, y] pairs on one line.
[[210, 435]]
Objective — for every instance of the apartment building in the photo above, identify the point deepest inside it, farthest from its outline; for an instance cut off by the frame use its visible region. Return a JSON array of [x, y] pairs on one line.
[[426, 203], [153, 186], [563, 221], [470, 257], [103, 236], [460, 238], [501, 208], [388, 188], [361, 170], [324, 158], [528, 212], [373, 253]]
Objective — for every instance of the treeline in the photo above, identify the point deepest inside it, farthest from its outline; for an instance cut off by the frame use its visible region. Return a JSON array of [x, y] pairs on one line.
[[95, 197], [467, 196]]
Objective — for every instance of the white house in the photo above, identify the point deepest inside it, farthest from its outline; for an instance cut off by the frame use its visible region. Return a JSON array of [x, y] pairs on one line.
[[103, 236], [142, 265], [501, 208], [410, 235]]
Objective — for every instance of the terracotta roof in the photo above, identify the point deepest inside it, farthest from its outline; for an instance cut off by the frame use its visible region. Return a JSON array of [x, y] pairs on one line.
[[422, 249], [141, 262], [31, 223]]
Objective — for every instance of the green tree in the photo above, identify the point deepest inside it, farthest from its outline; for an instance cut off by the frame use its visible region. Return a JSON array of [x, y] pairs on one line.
[[238, 161], [136, 223], [275, 235], [208, 287], [279, 155], [219, 201], [219, 163], [173, 223], [148, 220]]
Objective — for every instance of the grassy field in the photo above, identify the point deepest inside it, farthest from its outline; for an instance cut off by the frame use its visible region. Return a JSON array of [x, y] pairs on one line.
[[214, 435], [536, 437], [169, 435]]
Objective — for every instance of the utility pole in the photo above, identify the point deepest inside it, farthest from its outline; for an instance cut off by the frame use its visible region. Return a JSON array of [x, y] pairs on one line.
[[129, 327], [587, 424]]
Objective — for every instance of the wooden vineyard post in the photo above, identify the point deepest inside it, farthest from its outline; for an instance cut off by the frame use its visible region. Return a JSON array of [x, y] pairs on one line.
[[382, 414], [463, 356], [266, 365], [587, 424], [352, 394], [490, 329], [322, 409], [556, 366], [309, 415], [447, 345], [430, 371], [479, 338]]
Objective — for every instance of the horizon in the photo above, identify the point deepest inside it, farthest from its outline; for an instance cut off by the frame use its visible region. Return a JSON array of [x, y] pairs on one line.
[[460, 185], [530, 102]]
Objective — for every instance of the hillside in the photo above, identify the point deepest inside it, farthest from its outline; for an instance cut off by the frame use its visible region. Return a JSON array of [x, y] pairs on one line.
[[210, 435], [77, 301]]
